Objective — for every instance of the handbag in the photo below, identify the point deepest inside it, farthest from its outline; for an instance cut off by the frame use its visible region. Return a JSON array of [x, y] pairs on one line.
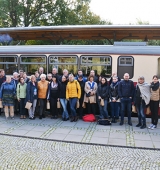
[[89, 118], [1, 106], [104, 122], [88, 94], [148, 110], [28, 105], [84, 105], [48, 105], [102, 102], [77, 104], [134, 109], [58, 104]]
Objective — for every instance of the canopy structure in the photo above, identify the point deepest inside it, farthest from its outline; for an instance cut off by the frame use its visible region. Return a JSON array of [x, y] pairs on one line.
[[84, 32]]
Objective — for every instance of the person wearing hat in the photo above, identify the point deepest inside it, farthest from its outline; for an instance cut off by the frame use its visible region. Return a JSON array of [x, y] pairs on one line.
[[53, 96], [82, 85]]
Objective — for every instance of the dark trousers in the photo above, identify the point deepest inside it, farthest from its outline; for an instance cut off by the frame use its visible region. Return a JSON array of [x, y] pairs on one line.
[[16, 106], [22, 106], [154, 106], [141, 115], [42, 107], [114, 109], [53, 104], [126, 104], [80, 109], [91, 108]]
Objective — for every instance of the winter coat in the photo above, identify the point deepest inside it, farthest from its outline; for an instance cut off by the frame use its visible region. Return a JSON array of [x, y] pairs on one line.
[[21, 90], [82, 85], [63, 86], [53, 92], [32, 91], [155, 95], [43, 89], [87, 89], [102, 91], [2, 80], [113, 92], [125, 89], [73, 90]]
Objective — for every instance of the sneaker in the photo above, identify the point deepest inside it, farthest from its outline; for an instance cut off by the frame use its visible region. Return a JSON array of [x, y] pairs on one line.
[[150, 126], [12, 118], [153, 127]]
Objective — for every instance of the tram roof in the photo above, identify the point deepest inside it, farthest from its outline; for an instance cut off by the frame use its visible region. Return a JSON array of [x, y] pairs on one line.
[[74, 32], [80, 49]]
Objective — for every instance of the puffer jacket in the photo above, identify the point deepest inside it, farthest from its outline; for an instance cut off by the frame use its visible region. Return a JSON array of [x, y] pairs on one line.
[[73, 90], [102, 91], [42, 89], [155, 95], [113, 91]]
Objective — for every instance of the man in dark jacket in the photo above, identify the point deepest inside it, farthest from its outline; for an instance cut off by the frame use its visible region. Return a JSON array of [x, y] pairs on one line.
[[126, 92], [82, 85], [55, 73]]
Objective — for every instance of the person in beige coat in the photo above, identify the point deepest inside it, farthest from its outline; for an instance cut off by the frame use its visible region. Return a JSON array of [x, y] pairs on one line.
[[90, 94]]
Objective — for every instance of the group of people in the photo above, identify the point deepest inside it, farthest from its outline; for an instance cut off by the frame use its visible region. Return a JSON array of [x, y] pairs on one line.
[[92, 95]]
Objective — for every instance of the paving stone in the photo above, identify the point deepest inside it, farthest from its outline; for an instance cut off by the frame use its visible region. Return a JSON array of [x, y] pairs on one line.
[[57, 136], [144, 144], [101, 134], [40, 128], [117, 136], [60, 130], [77, 132], [119, 142], [99, 140], [19, 132], [34, 134], [76, 138], [142, 137]]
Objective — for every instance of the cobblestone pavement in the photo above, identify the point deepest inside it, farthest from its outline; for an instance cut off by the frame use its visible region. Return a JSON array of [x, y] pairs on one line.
[[18, 153]]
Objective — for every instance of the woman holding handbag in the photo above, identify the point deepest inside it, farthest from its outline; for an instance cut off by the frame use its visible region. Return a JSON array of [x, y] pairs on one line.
[[102, 94], [90, 94], [32, 95], [21, 97], [154, 102], [53, 96], [7, 95]]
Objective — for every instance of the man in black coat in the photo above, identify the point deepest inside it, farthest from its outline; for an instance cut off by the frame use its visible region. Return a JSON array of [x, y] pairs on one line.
[[126, 93]]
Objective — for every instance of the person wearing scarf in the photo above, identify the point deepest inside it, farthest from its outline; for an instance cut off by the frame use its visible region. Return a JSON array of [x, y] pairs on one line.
[[154, 103], [21, 96], [53, 96], [102, 93], [114, 99], [142, 98]]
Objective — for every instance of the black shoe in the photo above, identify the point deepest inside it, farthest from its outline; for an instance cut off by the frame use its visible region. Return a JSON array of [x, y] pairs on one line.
[[72, 119], [52, 117], [63, 119], [43, 116], [130, 123], [56, 117], [138, 125], [66, 119], [143, 127], [40, 117], [121, 123], [76, 118]]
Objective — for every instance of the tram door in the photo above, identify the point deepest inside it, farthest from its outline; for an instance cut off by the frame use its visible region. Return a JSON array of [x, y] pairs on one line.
[[125, 65]]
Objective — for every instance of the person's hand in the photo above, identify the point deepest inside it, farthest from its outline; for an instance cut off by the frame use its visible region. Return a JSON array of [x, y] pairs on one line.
[[113, 100], [19, 100], [99, 97], [0, 99]]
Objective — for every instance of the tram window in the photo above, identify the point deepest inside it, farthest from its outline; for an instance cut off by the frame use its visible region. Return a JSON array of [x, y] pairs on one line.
[[125, 65], [30, 64], [9, 63], [100, 64], [63, 62]]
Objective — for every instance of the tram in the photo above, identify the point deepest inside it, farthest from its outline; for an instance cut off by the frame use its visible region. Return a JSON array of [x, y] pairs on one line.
[[138, 60]]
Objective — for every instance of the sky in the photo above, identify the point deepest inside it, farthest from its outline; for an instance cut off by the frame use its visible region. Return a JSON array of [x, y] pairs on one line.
[[127, 11]]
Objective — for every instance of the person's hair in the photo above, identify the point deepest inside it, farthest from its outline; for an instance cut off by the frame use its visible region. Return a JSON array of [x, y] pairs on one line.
[[49, 74], [20, 79], [155, 76], [36, 72], [1, 70], [90, 77], [103, 78], [43, 75], [15, 73], [141, 78], [65, 70], [64, 76], [32, 76], [21, 71], [70, 75]]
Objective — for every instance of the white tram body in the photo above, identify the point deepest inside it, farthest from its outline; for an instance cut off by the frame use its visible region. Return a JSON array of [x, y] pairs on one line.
[[104, 59]]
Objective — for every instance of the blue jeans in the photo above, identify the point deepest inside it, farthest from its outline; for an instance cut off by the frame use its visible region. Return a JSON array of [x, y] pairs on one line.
[[103, 110], [141, 115], [126, 104], [72, 102], [114, 109], [64, 105]]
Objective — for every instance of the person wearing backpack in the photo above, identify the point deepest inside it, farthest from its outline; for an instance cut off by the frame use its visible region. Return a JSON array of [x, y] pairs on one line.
[[73, 93], [126, 92], [102, 94], [90, 94]]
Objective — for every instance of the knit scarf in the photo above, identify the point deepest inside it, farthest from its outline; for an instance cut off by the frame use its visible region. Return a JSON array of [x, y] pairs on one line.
[[145, 92], [155, 86]]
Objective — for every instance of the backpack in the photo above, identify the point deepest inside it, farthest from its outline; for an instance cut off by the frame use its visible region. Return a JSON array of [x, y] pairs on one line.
[[104, 122], [89, 118]]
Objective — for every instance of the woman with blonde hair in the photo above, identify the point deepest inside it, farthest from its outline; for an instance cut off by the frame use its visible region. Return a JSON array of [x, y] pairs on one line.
[[32, 95], [73, 93], [7, 95]]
